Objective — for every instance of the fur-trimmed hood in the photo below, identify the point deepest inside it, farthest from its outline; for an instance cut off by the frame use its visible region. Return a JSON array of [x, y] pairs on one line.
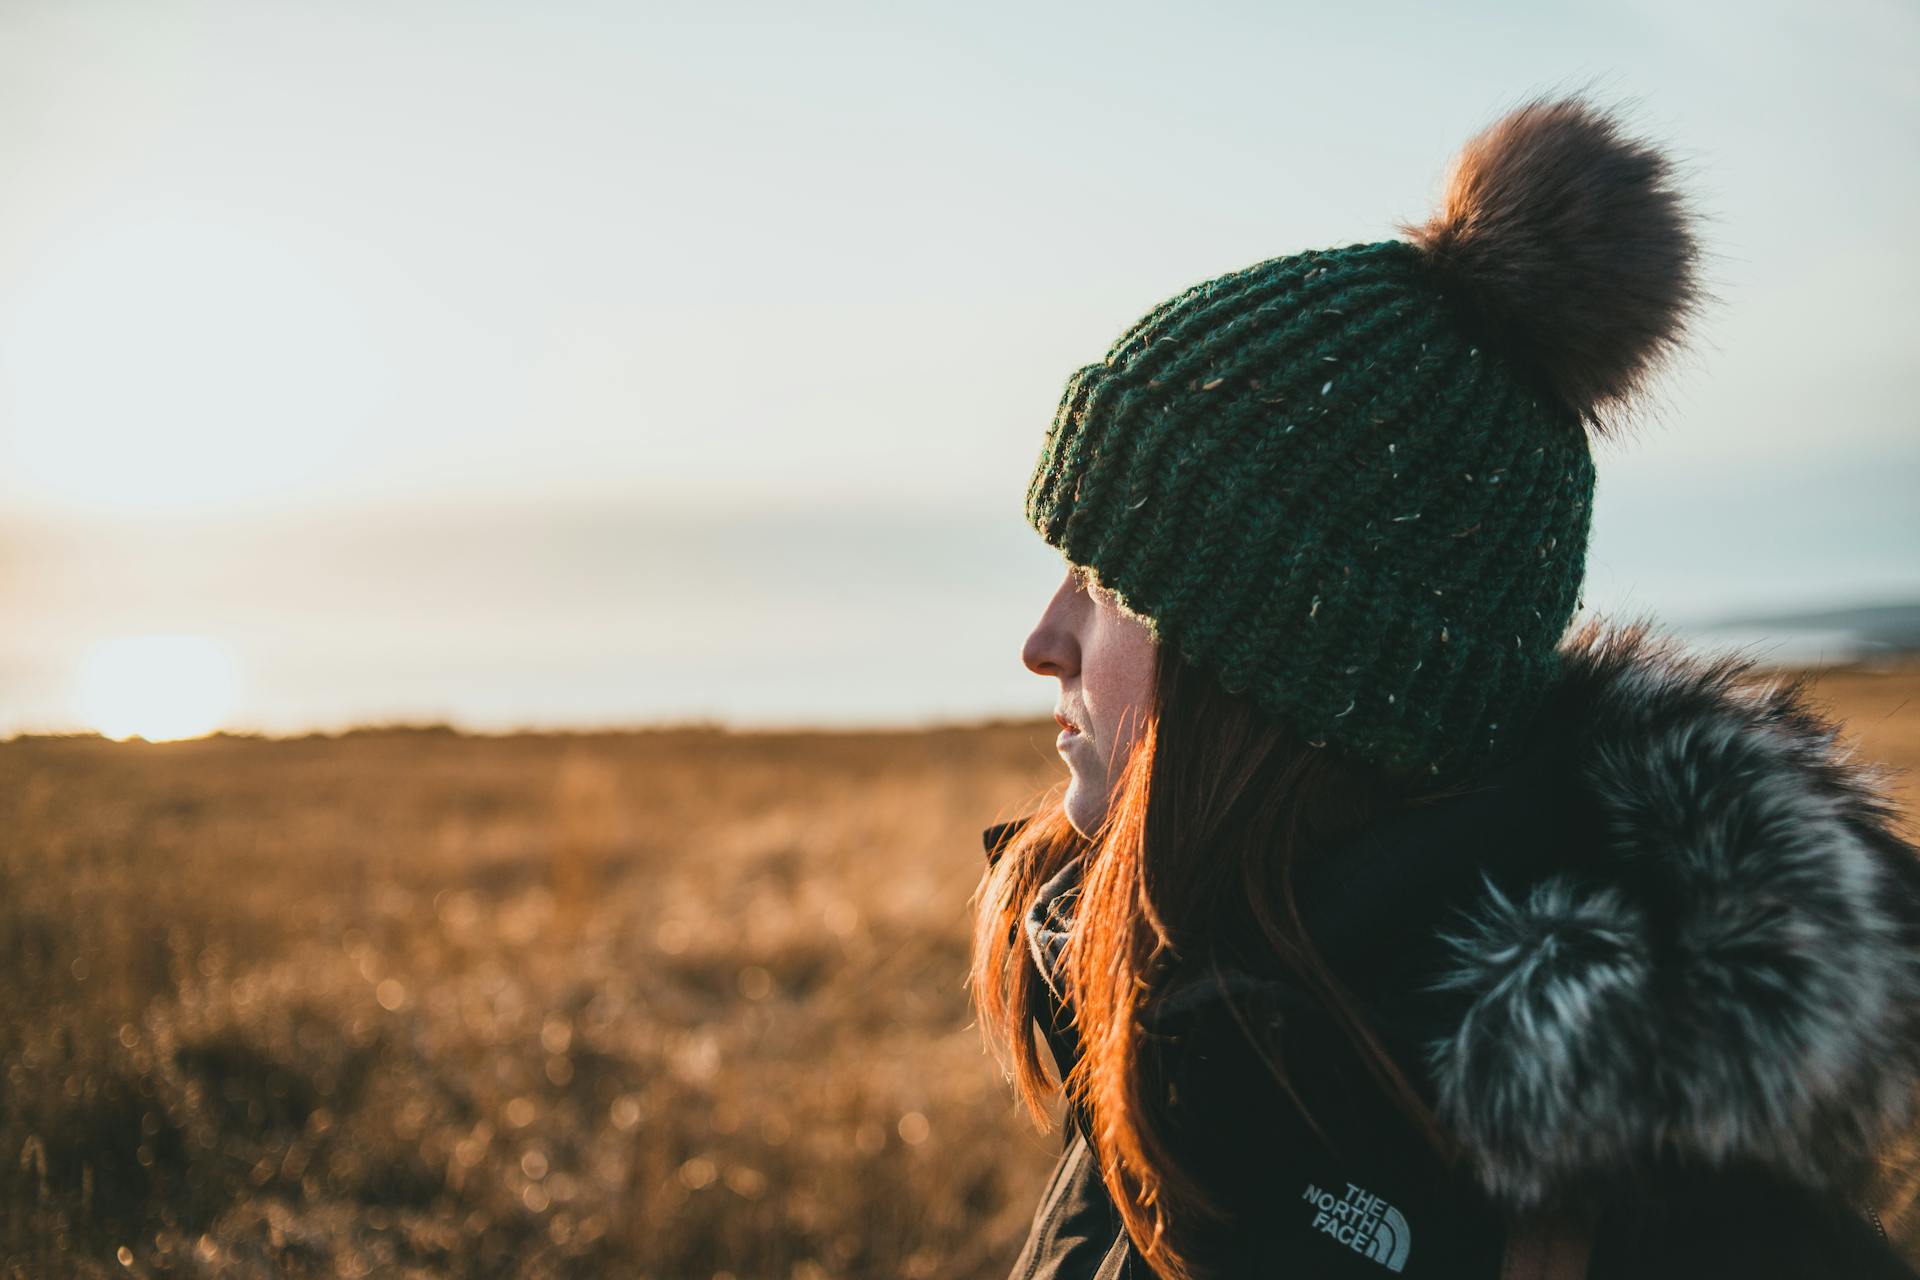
[[1719, 962], [1680, 931]]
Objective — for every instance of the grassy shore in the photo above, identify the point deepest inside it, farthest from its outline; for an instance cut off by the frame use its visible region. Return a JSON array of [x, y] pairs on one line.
[[678, 1003]]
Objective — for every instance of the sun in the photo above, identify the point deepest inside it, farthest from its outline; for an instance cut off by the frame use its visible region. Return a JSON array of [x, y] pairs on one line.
[[160, 688]]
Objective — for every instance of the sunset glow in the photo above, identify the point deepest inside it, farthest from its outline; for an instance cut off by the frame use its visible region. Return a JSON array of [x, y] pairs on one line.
[[160, 688]]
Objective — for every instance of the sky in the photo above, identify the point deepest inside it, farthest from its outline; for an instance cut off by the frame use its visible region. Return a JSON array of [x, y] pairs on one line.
[[605, 363]]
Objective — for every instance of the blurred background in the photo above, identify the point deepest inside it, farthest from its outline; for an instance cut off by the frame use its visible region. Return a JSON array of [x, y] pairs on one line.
[[555, 365], [570, 458]]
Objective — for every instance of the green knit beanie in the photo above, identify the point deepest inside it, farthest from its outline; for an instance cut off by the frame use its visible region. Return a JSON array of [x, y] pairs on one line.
[[1355, 483]]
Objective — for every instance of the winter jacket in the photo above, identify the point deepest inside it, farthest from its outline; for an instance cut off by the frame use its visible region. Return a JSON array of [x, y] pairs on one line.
[[1665, 966]]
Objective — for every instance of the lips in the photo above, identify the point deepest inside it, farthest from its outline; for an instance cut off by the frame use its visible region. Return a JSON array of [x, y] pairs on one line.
[[1065, 723]]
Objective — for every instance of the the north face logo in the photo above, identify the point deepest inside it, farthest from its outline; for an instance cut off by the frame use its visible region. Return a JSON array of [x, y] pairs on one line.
[[1363, 1222]]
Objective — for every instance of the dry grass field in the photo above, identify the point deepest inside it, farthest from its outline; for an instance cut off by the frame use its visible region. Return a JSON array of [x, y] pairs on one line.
[[679, 1004]]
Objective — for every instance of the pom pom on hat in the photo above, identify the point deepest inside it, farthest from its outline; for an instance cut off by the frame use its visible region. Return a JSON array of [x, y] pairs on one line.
[[1570, 248]]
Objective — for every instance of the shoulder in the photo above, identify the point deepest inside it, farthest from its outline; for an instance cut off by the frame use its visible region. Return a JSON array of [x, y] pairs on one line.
[[1314, 1168], [1680, 933], [1324, 1173], [1714, 961]]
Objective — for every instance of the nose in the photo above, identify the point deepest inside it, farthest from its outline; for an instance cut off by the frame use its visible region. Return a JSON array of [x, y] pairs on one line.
[[1052, 648]]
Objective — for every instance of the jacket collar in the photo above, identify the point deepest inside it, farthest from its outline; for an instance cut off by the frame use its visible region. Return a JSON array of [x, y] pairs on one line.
[[1046, 923], [1681, 927]]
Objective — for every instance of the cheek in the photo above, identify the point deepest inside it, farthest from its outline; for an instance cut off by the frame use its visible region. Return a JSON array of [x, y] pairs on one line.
[[1118, 675]]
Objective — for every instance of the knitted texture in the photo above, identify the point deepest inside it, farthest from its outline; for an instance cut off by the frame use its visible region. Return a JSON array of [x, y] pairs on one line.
[[1315, 479]]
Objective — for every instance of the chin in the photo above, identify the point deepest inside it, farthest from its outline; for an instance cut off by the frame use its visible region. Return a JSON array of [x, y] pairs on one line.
[[1084, 811]]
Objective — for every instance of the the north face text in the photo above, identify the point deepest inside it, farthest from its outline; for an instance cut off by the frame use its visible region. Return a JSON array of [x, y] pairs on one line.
[[1363, 1222]]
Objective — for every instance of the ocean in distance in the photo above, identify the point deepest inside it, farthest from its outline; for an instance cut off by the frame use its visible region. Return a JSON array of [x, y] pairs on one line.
[[598, 614]]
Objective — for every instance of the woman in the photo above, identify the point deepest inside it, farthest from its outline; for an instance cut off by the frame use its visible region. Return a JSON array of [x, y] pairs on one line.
[[1385, 926]]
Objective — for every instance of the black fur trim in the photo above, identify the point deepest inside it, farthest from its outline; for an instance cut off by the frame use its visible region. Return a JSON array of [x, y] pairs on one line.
[[1738, 980]]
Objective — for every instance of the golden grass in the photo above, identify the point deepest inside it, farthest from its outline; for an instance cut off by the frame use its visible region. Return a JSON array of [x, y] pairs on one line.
[[674, 1004]]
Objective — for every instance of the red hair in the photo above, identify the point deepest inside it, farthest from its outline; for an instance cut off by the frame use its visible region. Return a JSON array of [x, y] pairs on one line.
[[1192, 864]]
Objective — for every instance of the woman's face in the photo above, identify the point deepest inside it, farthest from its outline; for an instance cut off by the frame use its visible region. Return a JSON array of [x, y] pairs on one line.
[[1104, 660]]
